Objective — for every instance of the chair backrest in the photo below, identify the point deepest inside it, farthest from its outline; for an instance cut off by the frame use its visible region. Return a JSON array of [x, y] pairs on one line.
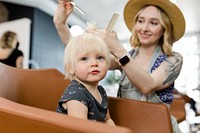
[[140, 117], [19, 118], [40, 88], [177, 109]]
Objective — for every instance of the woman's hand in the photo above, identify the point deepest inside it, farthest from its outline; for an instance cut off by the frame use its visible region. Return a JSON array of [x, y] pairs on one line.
[[111, 40], [63, 11], [61, 15]]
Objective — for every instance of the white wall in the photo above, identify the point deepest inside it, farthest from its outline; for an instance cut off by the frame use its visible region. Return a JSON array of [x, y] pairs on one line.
[[22, 27]]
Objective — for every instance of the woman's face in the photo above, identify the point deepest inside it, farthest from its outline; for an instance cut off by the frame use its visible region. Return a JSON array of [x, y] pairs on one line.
[[148, 27]]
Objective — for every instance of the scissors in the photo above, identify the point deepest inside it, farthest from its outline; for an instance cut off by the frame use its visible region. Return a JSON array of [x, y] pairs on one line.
[[77, 8]]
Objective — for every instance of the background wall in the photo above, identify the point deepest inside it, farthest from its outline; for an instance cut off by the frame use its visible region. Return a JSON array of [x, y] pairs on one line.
[[46, 48], [22, 28]]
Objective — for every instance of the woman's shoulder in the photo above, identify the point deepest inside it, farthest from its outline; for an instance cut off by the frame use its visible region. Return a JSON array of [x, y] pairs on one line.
[[17, 52], [175, 55], [174, 60]]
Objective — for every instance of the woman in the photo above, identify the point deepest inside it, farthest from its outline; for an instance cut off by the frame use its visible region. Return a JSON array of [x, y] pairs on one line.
[[9, 53], [151, 67]]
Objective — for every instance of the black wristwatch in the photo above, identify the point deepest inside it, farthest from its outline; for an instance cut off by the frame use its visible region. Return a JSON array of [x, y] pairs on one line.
[[124, 60]]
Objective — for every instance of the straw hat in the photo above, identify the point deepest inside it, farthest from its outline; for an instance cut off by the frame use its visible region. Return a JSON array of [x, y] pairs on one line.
[[174, 13]]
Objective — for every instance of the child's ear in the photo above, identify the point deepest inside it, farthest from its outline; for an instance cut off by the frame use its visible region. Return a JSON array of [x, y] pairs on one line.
[[71, 71]]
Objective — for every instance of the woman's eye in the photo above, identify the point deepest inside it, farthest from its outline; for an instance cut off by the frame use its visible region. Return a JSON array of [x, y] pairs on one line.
[[154, 23], [140, 21]]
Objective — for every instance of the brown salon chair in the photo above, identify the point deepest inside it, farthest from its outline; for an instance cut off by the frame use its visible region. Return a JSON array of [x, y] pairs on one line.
[[28, 101], [19, 118], [41, 88], [140, 117], [177, 109]]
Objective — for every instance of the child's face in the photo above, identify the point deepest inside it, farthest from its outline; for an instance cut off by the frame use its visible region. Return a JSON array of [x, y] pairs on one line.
[[90, 67]]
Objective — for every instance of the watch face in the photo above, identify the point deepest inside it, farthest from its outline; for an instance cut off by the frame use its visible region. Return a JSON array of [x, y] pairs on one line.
[[124, 60]]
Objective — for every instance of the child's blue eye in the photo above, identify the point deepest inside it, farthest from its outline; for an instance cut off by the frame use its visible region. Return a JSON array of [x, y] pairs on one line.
[[84, 58], [101, 57]]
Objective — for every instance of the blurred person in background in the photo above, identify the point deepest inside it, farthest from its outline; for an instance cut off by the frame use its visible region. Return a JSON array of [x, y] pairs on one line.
[[9, 52]]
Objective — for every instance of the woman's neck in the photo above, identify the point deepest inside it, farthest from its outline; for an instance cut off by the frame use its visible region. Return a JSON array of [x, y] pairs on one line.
[[147, 50], [144, 56]]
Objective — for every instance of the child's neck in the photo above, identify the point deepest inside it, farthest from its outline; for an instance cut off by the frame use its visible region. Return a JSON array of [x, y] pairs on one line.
[[92, 88]]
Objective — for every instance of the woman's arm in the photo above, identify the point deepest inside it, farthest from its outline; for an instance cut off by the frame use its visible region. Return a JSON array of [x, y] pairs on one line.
[[19, 62], [61, 15], [160, 78], [113, 63]]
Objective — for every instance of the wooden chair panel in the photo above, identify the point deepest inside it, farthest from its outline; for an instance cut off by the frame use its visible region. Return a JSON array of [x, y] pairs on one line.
[[19, 118], [177, 109], [40, 88], [140, 117]]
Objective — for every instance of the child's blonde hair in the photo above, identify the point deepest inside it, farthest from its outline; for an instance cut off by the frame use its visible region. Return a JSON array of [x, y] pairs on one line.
[[83, 43]]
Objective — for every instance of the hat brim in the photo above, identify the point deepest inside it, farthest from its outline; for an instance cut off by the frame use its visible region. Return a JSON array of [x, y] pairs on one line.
[[175, 15]]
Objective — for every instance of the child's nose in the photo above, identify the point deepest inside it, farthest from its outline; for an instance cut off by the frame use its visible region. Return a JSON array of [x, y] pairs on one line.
[[94, 63]]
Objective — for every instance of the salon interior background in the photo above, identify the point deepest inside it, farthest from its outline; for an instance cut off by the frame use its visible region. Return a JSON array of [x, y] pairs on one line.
[[46, 49]]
